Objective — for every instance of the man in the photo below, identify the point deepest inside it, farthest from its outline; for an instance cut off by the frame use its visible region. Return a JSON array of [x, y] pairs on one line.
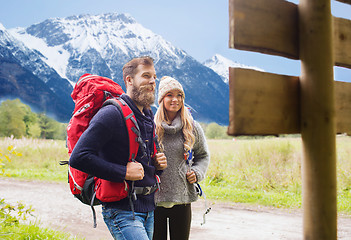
[[103, 151]]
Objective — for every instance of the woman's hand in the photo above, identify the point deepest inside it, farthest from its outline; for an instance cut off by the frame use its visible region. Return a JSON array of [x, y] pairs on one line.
[[191, 177], [160, 161]]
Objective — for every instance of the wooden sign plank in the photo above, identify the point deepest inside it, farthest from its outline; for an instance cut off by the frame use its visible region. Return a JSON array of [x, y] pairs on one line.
[[342, 42], [269, 26], [343, 107], [262, 103], [345, 1]]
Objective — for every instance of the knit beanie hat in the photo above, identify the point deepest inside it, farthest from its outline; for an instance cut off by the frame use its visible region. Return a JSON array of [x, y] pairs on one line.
[[168, 84]]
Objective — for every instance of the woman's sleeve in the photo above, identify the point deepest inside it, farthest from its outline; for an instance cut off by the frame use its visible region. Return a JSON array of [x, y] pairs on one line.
[[201, 153]]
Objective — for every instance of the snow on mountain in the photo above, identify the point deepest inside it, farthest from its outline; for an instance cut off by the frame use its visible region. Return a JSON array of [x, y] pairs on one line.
[[7, 39], [25, 76], [56, 57], [102, 44], [64, 42], [221, 65], [28, 57]]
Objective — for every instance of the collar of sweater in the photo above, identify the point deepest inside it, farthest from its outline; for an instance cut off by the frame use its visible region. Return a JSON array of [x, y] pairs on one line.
[[175, 126]]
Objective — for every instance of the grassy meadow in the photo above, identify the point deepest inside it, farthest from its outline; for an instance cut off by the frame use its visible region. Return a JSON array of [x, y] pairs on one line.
[[265, 171], [39, 159], [32, 231]]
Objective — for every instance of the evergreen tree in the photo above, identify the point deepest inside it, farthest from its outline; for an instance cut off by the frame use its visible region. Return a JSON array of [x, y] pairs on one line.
[[48, 126], [32, 124]]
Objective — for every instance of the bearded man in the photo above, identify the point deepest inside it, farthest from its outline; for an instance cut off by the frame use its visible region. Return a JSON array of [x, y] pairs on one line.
[[103, 151]]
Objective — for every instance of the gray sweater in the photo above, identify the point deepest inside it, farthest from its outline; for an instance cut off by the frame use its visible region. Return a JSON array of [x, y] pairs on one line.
[[174, 187]]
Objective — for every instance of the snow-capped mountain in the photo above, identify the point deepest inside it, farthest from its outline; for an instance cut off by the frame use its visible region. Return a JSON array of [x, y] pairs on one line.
[[221, 65], [24, 75], [102, 44], [79, 44]]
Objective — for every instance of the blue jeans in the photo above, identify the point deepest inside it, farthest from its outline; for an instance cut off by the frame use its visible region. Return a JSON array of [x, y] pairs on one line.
[[122, 226]]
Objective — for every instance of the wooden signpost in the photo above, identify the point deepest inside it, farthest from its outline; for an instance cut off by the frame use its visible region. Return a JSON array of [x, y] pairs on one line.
[[312, 104], [345, 1]]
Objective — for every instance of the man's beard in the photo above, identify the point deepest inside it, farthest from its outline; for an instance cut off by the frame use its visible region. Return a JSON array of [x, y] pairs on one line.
[[142, 96]]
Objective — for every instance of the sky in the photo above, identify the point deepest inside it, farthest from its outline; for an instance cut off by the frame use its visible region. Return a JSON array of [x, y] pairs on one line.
[[199, 27]]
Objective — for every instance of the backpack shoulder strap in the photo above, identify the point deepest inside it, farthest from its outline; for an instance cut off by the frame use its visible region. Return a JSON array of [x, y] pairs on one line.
[[131, 123]]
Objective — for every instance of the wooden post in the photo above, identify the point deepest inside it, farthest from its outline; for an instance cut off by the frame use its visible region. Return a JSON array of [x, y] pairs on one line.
[[317, 120]]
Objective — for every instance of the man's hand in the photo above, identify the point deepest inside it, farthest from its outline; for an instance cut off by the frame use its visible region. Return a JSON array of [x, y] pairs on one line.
[[191, 177], [135, 171], [160, 161]]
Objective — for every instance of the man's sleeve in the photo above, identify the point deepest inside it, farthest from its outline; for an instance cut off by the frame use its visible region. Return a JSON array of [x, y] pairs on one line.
[[85, 155]]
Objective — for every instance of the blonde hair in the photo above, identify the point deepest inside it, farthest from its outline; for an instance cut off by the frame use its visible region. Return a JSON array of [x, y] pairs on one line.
[[187, 122]]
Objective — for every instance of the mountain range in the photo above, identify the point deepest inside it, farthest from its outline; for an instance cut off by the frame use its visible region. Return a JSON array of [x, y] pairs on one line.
[[221, 65], [40, 64], [24, 75]]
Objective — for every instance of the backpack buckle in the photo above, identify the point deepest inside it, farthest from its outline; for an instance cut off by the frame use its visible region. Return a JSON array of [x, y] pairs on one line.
[[147, 190]]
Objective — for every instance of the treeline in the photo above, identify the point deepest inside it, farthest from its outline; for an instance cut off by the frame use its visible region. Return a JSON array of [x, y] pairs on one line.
[[215, 131], [17, 120]]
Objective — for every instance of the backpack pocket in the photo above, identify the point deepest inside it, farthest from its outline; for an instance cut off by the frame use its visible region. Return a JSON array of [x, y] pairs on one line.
[[107, 191]]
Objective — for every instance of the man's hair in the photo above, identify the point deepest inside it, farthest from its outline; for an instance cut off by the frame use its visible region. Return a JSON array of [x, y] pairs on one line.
[[130, 67]]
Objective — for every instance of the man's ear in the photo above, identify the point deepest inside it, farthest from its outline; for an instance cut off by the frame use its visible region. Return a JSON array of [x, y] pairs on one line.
[[129, 80]]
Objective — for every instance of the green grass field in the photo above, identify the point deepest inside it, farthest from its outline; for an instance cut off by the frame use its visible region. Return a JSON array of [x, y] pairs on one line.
[[264, 171], [32, 231]]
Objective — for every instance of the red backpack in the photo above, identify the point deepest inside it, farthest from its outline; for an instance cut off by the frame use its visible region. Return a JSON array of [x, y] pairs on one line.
[[90, 93]]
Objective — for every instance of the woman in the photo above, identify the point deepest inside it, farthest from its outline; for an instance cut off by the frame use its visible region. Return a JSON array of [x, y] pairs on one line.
[[178, 135]]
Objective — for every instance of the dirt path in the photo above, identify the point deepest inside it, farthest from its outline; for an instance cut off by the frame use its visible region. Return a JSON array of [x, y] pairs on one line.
[[56, 207]]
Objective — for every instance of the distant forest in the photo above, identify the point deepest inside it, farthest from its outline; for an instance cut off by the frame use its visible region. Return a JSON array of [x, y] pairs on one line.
[[17, 120]]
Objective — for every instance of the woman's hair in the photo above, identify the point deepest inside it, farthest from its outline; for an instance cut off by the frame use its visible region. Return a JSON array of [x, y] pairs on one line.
[[187, 122]]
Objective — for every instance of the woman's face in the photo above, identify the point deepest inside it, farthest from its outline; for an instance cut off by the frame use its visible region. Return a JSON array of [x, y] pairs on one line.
[[173, 101]]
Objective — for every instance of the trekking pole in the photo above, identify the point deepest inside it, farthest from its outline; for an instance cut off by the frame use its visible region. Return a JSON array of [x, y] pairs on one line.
[[208, 209], [158, 147], [188, 156], [132, 194]]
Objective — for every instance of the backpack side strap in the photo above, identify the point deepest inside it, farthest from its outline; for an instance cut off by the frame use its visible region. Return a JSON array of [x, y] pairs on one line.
[[131, 124], [134, 137]]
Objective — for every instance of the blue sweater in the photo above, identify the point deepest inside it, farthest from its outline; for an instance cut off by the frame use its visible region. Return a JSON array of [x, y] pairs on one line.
[[103, 150]]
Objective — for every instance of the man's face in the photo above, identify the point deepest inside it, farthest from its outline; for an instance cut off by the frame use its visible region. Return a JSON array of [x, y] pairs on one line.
[[143, 86]]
